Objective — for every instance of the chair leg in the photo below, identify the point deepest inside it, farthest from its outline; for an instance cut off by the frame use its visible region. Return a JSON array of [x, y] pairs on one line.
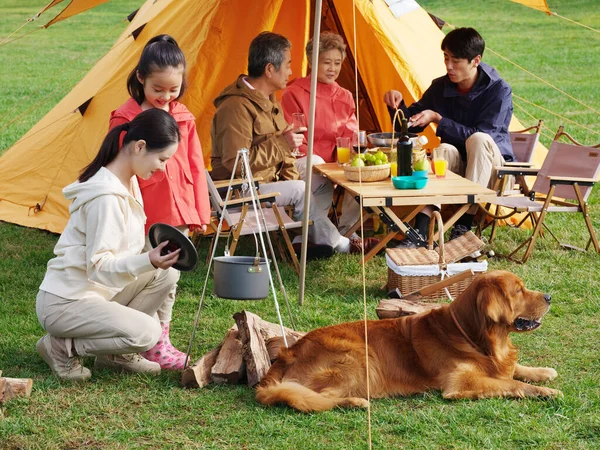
[[588, 222], [286, 238], [540, 221], [280, 249]]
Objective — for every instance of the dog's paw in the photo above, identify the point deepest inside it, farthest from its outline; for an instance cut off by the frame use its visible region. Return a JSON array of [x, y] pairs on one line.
[[535, 374], [356, 402], [548, 392], [547, 374]]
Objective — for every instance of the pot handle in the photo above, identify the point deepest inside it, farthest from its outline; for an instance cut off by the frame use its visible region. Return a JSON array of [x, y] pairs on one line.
[[226, 251], [255, 267]]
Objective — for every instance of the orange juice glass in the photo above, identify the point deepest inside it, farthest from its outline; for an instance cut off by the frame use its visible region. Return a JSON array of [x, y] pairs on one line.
[[343, 150], [440, 162], [394, 169], [440, 166]]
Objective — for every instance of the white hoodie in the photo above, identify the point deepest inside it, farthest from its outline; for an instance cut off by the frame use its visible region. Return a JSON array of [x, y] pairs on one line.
[[98, 253]]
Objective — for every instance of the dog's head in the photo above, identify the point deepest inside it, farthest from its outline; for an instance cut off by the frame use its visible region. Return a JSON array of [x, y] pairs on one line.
[[500, 298]]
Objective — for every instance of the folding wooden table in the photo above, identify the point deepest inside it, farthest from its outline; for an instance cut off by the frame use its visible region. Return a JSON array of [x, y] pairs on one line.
[[378, 197]]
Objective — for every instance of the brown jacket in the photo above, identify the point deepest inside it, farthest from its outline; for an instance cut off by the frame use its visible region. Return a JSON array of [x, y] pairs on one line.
[[246, 118]]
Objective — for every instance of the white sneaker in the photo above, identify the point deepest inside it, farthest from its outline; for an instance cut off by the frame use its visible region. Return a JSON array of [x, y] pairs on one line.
[[132, 362], [55, 353]]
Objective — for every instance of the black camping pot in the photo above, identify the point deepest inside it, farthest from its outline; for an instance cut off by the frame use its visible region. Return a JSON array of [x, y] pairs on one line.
[[241, 277]]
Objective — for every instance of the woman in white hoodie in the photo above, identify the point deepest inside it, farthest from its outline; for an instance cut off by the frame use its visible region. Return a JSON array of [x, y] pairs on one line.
[[100, 292]]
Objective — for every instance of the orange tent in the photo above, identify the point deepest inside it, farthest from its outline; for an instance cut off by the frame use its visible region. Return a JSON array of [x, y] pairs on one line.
[[396, 48]]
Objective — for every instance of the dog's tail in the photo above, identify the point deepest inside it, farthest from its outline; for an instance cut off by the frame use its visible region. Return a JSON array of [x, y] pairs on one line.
[[302, 398]]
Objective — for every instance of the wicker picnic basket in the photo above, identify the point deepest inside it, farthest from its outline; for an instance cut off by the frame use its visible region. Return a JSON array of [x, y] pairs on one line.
[[411, 269], [367, 173]]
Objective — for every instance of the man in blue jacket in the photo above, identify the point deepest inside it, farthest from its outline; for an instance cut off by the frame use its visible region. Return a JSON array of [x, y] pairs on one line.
[[472, 107]]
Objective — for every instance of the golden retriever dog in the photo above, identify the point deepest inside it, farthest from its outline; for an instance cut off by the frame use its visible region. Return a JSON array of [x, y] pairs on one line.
[[462, 348]]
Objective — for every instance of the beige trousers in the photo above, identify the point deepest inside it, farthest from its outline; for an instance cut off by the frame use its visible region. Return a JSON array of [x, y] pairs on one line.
[[482, 156], [165, 311], [322, 190], [126, 324]]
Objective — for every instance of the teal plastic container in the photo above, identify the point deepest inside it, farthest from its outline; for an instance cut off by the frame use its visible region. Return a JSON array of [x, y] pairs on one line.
[[410, 182]]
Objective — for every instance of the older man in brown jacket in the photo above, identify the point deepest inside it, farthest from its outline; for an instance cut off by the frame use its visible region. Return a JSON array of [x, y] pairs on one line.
[[249, 116]]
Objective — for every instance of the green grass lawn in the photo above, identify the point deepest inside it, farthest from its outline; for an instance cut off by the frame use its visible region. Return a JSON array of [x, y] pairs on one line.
[[120, 411]]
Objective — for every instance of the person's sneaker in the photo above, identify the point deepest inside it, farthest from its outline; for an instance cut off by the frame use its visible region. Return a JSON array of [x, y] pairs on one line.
[[131, 362], [356, 245], [314, 251], [458, 230], [54, 351]]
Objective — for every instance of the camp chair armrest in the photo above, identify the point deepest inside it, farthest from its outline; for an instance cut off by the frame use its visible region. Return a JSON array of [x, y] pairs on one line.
[[270, 197], [518, 164], [572, 180], [503, 170]]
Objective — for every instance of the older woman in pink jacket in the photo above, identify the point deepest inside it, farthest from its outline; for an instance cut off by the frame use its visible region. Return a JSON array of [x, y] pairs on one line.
[[334, 117]]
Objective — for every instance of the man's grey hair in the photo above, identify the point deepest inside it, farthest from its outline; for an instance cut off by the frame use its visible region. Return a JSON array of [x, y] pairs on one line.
[[266, 48]]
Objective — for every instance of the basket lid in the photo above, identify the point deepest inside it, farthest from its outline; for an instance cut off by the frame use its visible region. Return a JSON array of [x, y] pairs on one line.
[[413, 256], [462, 246]]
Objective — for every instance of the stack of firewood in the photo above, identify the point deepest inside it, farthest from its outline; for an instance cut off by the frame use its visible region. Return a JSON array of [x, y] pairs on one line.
[[244, 356]]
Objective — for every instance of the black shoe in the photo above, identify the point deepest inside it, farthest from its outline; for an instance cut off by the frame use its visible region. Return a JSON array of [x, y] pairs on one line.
[[314, 251], [406, 243], [458, 230]]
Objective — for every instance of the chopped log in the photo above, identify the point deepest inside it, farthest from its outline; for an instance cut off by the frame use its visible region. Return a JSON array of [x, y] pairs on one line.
[[2, 387], [270, 330], [256, 355], [229, 366], [15, 387], [276, 342], [199, 374], [392, 308]]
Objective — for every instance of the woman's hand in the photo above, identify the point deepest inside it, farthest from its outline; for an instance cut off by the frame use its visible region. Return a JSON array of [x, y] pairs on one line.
[[163, 261]]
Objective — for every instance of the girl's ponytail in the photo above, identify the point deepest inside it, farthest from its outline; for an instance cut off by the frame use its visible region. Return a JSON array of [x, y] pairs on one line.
[[161, 52]]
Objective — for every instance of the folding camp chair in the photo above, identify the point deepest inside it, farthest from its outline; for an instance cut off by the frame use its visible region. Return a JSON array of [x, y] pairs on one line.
[[562, 184], [523, 144], [240, 217]]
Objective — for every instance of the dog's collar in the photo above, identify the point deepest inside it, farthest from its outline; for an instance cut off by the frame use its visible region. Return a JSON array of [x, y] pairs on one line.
[[466, 336]]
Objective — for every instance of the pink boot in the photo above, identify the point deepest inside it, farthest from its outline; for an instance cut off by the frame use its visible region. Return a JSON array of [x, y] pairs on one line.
[[164, 353]]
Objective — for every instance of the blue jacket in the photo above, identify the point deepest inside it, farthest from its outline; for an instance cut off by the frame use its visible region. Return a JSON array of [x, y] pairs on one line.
[[486, 108]]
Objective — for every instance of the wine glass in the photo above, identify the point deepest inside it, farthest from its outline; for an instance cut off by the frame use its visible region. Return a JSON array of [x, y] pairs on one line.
[[298, 121], [359, 141]]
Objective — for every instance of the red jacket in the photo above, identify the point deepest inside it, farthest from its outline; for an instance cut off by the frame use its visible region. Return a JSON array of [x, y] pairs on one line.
[[179, 195], [334, 113]]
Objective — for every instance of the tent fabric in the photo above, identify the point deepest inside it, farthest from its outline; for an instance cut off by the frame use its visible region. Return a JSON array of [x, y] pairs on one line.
[[74, 7], [401, 53], [540, 5]]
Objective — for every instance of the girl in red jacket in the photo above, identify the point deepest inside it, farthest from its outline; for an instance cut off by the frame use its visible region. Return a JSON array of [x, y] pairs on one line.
[[179, 195]]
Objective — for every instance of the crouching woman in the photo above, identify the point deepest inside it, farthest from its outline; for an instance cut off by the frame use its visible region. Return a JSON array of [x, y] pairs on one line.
[[100, 292]]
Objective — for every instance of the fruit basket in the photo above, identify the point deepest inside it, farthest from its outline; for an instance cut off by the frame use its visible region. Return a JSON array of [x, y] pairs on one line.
[[368, 173]]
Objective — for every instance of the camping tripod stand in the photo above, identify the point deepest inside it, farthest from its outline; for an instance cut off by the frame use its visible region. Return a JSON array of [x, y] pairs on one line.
[[249, 189]]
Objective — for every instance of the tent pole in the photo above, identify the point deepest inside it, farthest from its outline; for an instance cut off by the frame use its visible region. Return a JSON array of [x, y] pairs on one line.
[[311, 135]]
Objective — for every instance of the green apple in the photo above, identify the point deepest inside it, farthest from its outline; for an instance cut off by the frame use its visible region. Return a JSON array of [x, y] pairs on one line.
[[357, 162], [421, 164]]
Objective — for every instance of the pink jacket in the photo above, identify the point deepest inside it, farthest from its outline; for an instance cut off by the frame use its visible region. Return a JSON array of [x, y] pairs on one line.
[[334, 113], [179, 195]]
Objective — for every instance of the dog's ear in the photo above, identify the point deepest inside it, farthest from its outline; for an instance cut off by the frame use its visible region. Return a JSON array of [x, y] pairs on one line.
[[491, 301]]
